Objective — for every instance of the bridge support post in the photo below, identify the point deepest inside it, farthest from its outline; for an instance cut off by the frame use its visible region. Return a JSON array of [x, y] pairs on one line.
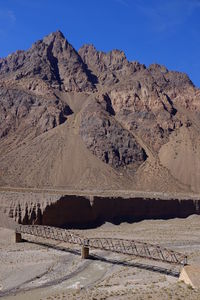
[[85, 252], [18, 237]]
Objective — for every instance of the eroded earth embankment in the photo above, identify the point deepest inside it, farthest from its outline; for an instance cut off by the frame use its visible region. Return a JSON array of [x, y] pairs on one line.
[[89, 210]]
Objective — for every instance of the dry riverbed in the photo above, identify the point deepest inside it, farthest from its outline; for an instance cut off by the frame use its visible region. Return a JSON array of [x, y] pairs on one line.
[[31, 270]]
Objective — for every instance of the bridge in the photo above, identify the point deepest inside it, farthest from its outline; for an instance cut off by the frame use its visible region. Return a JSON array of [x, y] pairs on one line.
[[124, 246]]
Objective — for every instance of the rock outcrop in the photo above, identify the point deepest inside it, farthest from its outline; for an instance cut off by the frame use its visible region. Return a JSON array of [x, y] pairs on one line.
[[107, 139], [25, 112]]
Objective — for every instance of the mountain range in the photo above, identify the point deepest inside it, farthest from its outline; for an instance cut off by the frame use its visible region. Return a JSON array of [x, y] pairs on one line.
[[93, 120]]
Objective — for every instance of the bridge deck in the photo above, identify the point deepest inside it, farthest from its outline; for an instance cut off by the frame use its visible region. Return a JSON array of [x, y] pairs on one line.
[[124, 246]]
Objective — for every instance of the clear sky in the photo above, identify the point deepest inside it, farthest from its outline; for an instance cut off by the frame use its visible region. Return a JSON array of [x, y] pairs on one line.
[[162, 31]]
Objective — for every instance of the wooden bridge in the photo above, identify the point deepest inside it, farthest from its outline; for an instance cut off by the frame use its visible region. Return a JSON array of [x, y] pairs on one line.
[[124, 246]]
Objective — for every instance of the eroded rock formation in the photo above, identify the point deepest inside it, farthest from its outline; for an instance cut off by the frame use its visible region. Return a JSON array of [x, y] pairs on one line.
[[85, 210]]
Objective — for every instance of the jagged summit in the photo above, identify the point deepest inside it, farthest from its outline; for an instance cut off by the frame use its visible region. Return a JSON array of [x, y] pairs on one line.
[[111, 66], [114, 55], [91, 118], [51, 59], [52, 37], [57, 34]]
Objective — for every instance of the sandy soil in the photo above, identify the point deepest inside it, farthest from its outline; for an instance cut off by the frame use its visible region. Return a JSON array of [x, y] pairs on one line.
[[181, 156], [30, 270]]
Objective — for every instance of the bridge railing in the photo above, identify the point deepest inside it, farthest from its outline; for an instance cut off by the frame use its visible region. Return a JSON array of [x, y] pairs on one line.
[[137, 248], [50, 232]]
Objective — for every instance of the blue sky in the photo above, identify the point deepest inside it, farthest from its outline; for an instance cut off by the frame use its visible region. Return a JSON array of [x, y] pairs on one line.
[[162, 31]]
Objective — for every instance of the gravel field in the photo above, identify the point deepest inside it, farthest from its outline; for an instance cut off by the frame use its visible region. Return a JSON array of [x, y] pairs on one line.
[[30, 270]]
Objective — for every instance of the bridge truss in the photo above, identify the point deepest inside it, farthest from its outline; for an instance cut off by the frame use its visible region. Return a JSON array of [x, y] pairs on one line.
[[124, 246]]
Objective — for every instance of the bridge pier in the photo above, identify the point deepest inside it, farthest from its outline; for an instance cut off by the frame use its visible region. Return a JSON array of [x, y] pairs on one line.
[[18, 237], [85, 252]]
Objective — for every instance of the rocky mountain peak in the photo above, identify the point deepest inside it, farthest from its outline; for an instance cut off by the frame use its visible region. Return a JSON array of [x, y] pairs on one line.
[[56, 41], [52, 60], [117, 56], [158, 68], [55, 35], [92, 56], [107, 66], [166, 79]]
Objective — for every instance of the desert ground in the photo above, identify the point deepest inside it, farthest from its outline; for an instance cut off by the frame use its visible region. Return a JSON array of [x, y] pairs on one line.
[[32, 270]]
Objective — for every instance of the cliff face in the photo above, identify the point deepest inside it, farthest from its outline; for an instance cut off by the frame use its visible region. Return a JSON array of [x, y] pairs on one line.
[[90, 119], [25, 208], [78, 211], [85, 211]]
